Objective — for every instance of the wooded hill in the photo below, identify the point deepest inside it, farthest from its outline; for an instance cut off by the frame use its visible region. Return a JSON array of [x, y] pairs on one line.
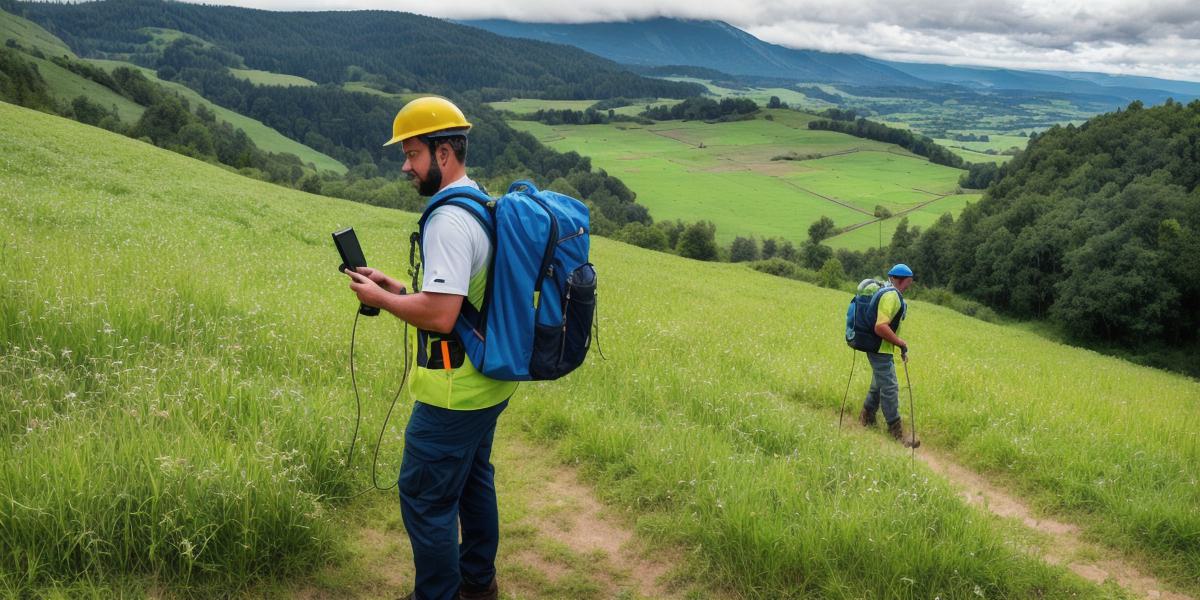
[[386, 53], [409, 51], [1095, 227]]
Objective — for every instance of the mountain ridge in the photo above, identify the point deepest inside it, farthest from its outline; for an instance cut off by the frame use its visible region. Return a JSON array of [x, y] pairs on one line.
[[719, 45]]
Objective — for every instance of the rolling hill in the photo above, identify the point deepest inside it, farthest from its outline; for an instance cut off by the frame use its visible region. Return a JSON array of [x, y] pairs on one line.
[[176, 405], [718, 45], [322, 46]]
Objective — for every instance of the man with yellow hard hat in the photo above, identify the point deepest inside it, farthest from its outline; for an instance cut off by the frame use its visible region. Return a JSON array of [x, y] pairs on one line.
[[446, 482]]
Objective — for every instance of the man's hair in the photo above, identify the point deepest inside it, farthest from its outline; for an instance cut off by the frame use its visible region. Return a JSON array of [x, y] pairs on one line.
[[457, 143]]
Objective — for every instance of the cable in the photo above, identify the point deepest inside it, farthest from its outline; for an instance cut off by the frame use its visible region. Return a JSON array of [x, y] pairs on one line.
[[358, 414]]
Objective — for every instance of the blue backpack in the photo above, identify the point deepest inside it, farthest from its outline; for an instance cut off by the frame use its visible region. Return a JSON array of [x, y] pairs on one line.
[[863, 312], [536, 319]]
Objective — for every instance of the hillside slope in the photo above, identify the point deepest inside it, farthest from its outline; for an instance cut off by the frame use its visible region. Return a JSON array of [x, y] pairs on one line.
[[173, 370], [410, 51], [65, 86]]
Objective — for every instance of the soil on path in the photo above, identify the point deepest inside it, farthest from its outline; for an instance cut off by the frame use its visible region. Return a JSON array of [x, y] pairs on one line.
[[558, 541], [1065, 544]]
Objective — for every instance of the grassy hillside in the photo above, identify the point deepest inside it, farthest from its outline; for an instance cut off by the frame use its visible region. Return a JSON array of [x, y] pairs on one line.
[[176, 403], [31, 35], [66, 86], [264, 137], [730, 173], [269, 78]]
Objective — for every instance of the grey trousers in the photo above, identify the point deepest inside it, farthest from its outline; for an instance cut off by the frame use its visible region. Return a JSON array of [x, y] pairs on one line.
[[885, 388]]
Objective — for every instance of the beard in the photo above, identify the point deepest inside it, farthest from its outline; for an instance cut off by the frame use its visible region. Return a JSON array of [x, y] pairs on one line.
[[431, 183]]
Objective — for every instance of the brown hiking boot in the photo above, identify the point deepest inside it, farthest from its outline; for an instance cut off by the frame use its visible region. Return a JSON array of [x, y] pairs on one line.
[[490, 593], [897, 430], [867, 419]]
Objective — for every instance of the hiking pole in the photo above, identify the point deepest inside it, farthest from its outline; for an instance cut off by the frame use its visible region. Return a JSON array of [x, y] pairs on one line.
[[853, 360], [912, 413]]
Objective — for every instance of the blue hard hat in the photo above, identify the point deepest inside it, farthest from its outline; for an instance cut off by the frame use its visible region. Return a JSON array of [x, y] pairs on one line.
[[900, 270]]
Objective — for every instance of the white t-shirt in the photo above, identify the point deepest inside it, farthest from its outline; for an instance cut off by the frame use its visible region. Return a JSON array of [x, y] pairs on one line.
[[456, 248]]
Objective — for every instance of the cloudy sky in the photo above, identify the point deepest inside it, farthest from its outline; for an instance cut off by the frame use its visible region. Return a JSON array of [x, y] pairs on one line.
[[1159, 38]]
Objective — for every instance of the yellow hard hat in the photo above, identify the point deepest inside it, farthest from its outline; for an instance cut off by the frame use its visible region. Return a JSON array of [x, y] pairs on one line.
[[427, 115]]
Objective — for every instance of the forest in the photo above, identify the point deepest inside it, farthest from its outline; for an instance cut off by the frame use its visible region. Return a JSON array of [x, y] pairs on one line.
[[1095, 228]]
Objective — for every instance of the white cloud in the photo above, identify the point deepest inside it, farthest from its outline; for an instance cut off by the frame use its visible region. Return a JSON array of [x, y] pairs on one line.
[[1154, 37]]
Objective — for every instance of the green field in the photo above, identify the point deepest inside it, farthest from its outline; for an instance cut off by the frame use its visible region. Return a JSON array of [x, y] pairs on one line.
[[879, 233], [364, 88], [974, 157], [175, 415], [724, 172], [65, 86], [268, 78], [522, 106], [30, 35], [161, 37], [762, 96], [264, 137]]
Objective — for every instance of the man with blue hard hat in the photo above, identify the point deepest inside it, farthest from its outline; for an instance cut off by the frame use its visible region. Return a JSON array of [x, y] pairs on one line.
[[885, 388]]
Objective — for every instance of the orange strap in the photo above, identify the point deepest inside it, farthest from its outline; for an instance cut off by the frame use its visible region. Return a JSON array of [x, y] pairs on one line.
[[445, 355]]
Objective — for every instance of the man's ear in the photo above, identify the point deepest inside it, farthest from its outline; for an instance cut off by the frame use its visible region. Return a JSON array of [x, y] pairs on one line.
[[443, 154]]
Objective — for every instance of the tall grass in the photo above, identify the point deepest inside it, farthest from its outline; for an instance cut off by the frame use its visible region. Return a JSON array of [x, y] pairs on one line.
[[172, 368]]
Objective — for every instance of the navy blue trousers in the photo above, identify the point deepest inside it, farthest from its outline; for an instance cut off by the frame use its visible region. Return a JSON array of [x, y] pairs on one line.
[[447, 481]]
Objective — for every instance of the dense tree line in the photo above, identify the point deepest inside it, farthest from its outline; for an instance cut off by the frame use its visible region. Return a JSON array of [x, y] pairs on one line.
[[979, 176], [589, 116], [816, 93], [915, 143], [703, 109], [838, 114], [167, 121], [410, 51], [21, 83], [1095, 229]]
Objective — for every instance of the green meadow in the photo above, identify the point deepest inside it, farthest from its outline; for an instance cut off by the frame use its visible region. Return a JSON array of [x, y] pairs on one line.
[[759, 95], [30, 35], [264, 137], [365, 88], [65, 86], [268, 78], [731, 174], [177, 406], [523, 106], [879, 233]]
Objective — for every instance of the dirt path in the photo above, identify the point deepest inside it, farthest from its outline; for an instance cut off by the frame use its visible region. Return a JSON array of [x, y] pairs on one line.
[[557, 542], [1066, 546], [576, 538]]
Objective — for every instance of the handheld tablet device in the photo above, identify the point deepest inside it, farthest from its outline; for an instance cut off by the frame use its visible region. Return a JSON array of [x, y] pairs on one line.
[[352, 257]]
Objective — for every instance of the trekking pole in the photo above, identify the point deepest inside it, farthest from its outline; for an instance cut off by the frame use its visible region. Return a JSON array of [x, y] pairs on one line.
[[853, 360], [912, 413]]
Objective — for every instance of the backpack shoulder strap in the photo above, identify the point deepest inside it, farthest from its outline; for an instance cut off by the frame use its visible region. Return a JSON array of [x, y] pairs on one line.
[[476, 202], [874, 307]]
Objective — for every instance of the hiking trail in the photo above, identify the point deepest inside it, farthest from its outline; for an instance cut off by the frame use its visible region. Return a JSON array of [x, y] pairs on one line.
[[1065, 547]]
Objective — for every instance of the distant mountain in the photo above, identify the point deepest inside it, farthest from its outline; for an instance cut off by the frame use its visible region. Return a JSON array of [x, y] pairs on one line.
[[1120, 88], [1183, 88], [410, 51], [723, 47], [711, 44]]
